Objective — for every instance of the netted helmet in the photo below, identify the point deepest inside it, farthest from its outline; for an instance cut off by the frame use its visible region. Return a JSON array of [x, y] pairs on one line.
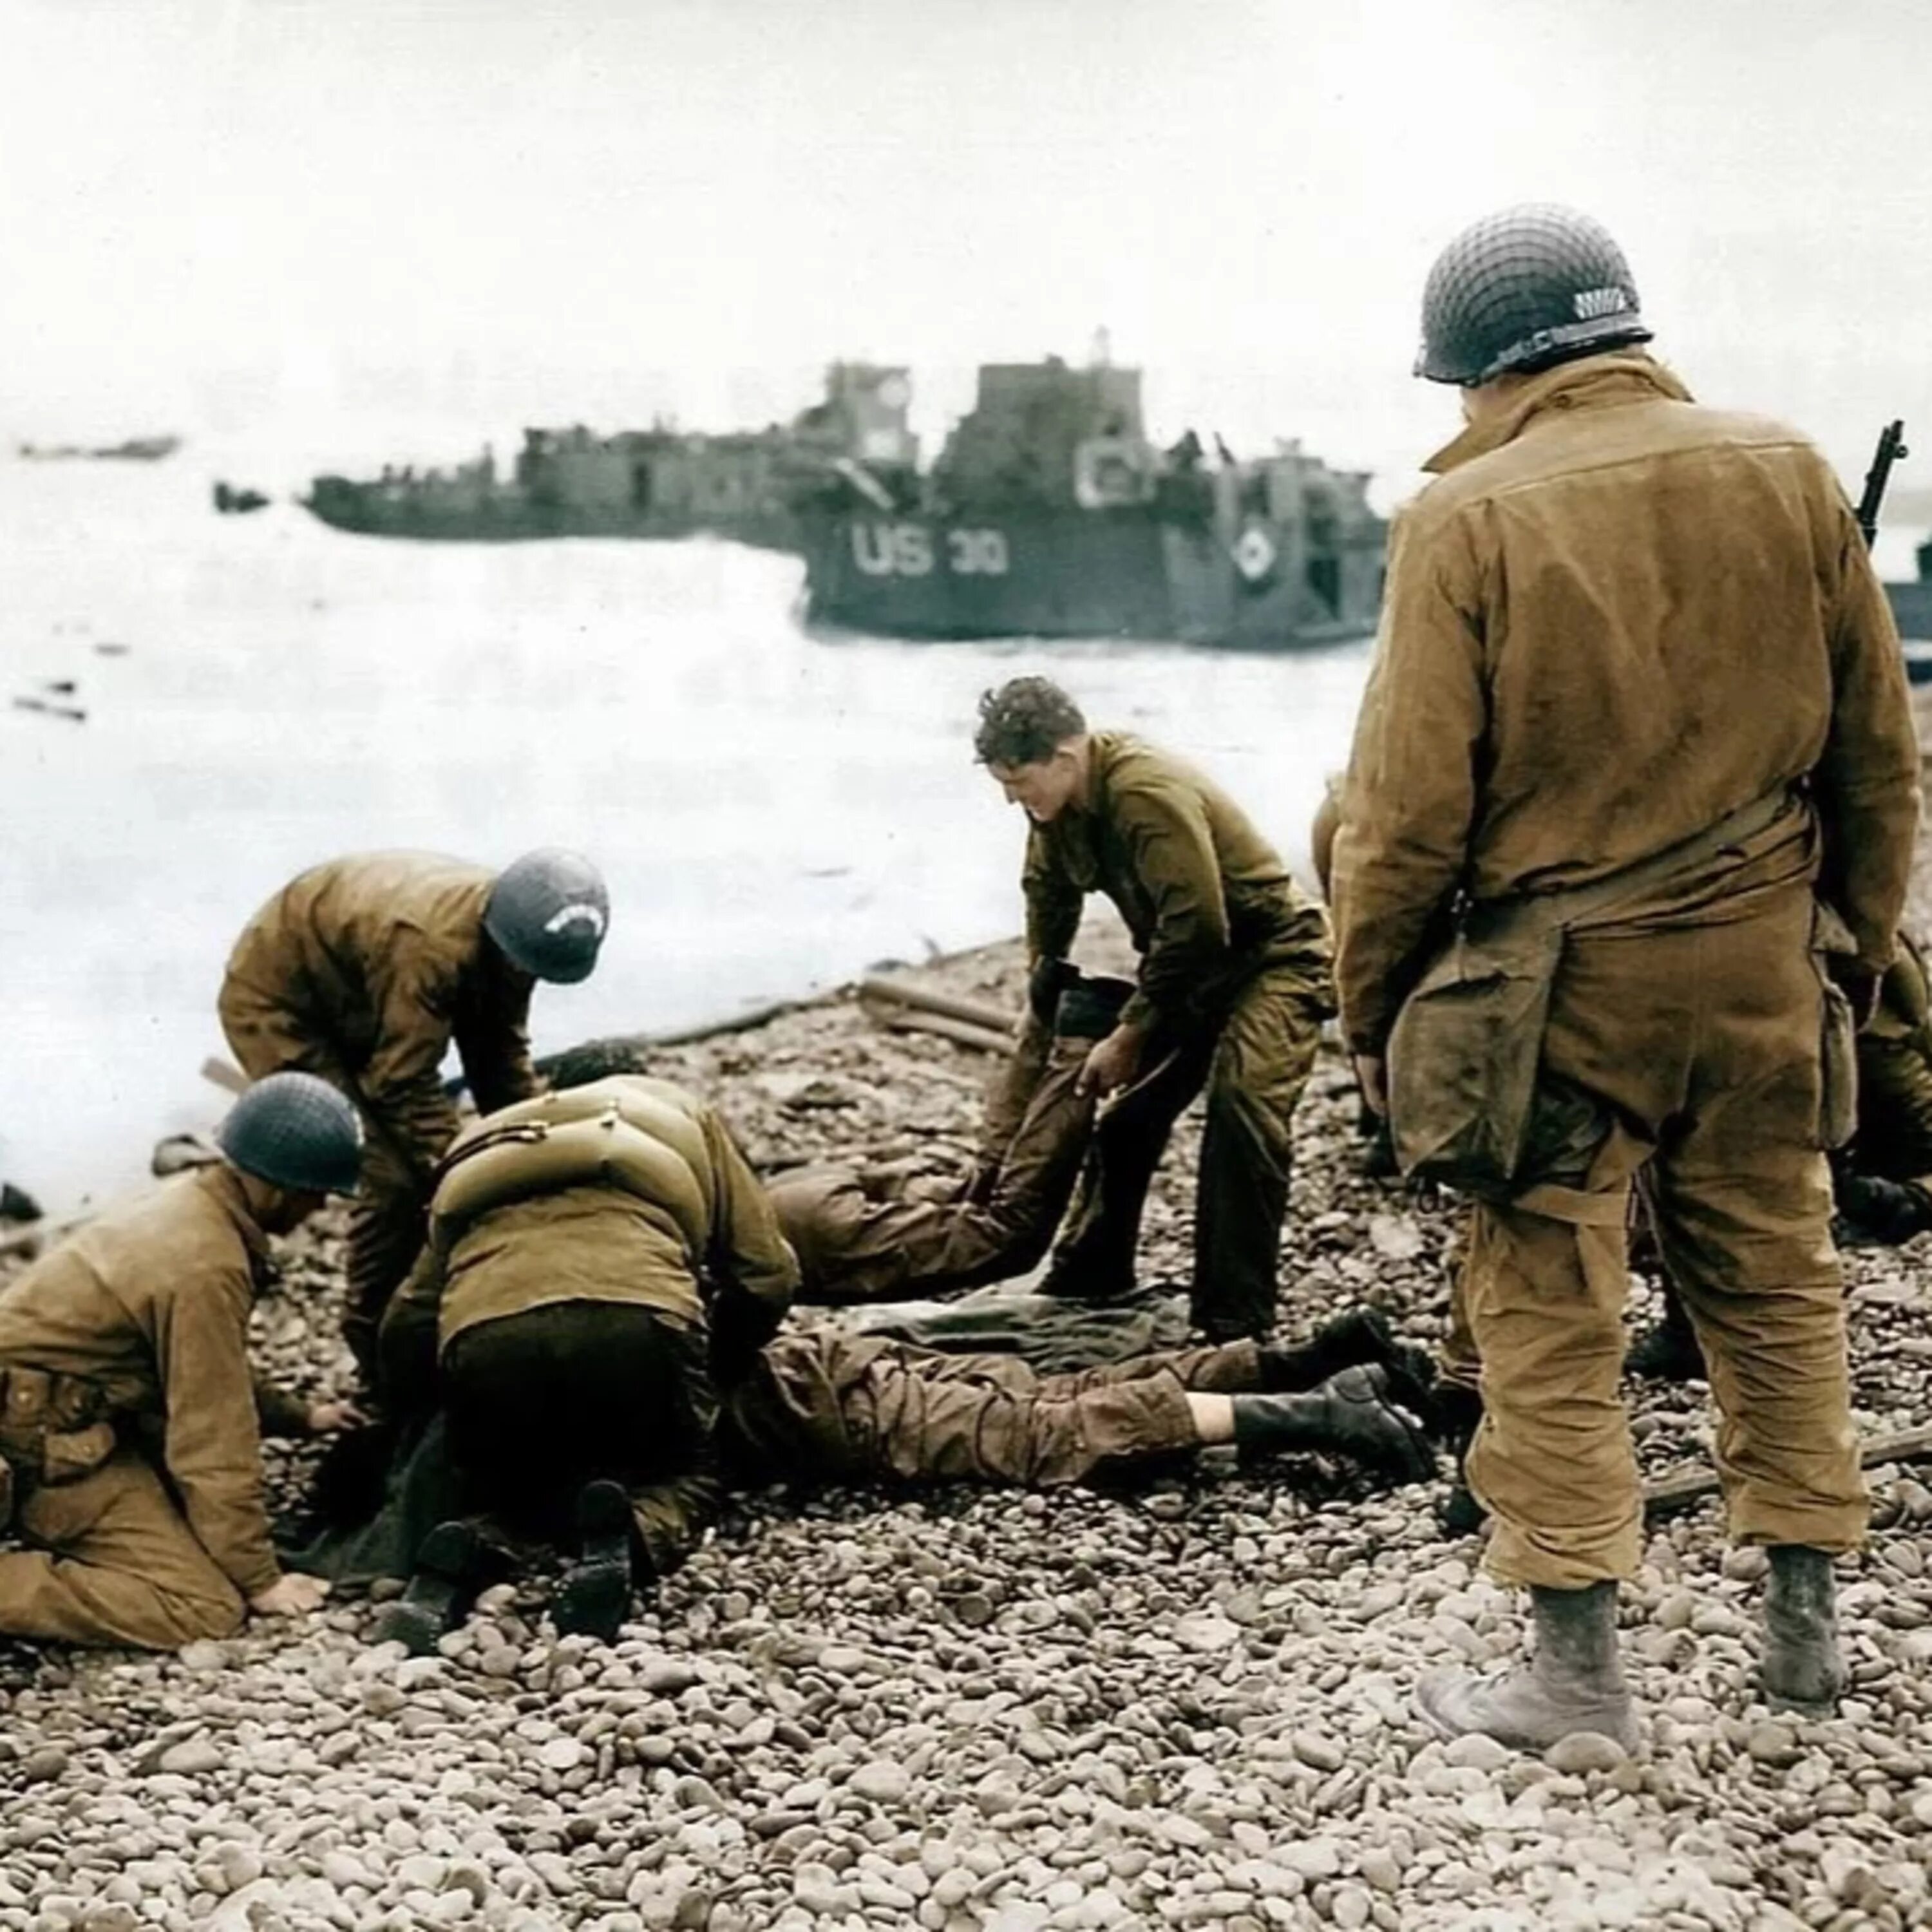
[[295, 1131], [548, 912], [1522, 289]]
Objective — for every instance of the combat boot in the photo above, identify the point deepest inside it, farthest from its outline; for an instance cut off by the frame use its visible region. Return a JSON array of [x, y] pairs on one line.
[[1089, 1007], [595, 1592], [442, 1587], [1573, 1682], [1458, 1414], [1802, 1669], [1667, 1352], [1361, 1338], [1352, 1413]]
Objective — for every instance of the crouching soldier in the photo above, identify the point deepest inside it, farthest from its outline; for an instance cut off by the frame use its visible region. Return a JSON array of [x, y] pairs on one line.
[[364, 971], [130, 1456], [1232, 989], [858, 1239], [598, 1260]]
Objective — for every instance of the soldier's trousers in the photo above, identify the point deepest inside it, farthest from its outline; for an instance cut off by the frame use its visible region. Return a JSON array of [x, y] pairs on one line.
[[540, 1403], [910, 1415], [388, 1217], [1894, 1136], [1704, 1040], [855, 1246], [1254, 1067], [111, 1560]]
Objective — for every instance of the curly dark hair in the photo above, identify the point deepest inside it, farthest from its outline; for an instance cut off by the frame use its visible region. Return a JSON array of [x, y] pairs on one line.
[[1025, 722]]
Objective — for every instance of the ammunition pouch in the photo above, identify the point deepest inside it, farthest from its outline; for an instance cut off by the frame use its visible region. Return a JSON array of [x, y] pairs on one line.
[[1470, 1104], [53, 1429], [643, 1146]]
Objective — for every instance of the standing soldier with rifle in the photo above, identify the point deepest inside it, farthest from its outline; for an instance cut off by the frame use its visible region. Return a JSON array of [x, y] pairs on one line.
[[1634, 773]]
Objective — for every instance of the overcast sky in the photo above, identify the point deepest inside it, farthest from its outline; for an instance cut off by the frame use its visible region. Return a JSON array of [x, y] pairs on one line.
[[392, 226]]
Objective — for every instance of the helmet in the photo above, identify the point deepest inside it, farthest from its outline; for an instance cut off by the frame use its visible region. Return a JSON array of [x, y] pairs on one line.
[[548, 912], [294, 1131], [1523, 289]]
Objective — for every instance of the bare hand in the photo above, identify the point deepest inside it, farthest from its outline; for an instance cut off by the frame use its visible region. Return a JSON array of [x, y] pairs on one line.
[[290, 1595], [331, 1418], [1372, 1076], [1111, 1063]]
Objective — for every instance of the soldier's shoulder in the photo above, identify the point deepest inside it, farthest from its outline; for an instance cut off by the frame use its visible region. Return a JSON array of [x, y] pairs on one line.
[[1134, 768]]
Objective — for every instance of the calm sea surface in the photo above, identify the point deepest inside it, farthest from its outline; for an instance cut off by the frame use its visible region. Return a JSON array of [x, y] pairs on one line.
[[774, 813]]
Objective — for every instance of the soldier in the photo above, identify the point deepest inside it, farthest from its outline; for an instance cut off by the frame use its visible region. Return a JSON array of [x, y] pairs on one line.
[[858, 1239], [1232, 990], [1634, 648], [129, 1453], [598, 1259], [601, 1272], [364, 969], [1881, 1183]]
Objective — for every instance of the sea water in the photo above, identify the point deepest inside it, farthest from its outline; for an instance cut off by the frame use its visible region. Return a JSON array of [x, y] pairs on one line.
[[774, 812]]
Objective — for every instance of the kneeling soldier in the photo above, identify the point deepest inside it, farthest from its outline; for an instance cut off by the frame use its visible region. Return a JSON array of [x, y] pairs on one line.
[[128, 1435], [596, 1258]]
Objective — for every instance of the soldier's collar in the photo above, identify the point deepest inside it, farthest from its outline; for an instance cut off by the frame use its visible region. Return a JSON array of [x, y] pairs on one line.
[[225, 1185], [1627, 376]]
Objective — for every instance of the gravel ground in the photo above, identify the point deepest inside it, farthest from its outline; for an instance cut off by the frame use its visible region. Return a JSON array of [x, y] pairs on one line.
[[1186, 1705]]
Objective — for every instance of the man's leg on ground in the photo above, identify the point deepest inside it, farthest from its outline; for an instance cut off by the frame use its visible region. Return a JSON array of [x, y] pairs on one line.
[[115, 1563], [1261, 1063]]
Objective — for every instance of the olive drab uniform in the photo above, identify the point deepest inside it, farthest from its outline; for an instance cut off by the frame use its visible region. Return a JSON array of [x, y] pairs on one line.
[[1894, 1135], [128, 1427], [856, 1241], [364, 971], [1457, 1362], [1691, 625], [822, 1406], [599, 1259], [1233, 985]]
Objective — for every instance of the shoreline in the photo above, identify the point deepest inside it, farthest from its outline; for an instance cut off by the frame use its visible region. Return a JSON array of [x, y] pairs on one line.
[[980, 1711]]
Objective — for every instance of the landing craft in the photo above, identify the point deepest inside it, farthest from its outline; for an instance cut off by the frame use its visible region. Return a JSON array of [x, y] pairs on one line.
[[1050, 514]]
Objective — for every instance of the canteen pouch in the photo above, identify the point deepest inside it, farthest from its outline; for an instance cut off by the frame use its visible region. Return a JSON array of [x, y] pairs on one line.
[[1466, 1107]]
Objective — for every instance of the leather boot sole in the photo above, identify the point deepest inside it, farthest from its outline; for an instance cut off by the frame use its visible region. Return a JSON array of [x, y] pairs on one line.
[[595, 1592], [441, 1588]]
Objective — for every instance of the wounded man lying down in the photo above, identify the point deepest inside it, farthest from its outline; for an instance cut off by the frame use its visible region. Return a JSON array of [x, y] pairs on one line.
[[597, 1314]]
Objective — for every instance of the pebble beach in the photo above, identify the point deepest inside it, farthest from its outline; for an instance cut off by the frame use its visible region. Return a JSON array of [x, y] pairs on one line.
[[1183, 1703]]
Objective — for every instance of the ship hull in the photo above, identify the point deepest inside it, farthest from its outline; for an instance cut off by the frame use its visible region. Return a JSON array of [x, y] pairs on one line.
[[1068, 574], [506, 518], [1912, 608]]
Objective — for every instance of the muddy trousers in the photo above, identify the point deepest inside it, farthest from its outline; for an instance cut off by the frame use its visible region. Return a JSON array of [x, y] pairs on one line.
[[111, 1560], [852, 1246], [1705, 1041], [387, 1218], [914, 1416], [1254, 1069]]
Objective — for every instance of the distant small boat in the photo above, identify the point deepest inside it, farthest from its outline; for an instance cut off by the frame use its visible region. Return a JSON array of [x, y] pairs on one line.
[[134, 449]]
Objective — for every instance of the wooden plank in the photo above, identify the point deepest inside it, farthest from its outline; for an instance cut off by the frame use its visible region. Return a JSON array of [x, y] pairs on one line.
[[925, 999], [1686, 1486], [907, 1020]]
